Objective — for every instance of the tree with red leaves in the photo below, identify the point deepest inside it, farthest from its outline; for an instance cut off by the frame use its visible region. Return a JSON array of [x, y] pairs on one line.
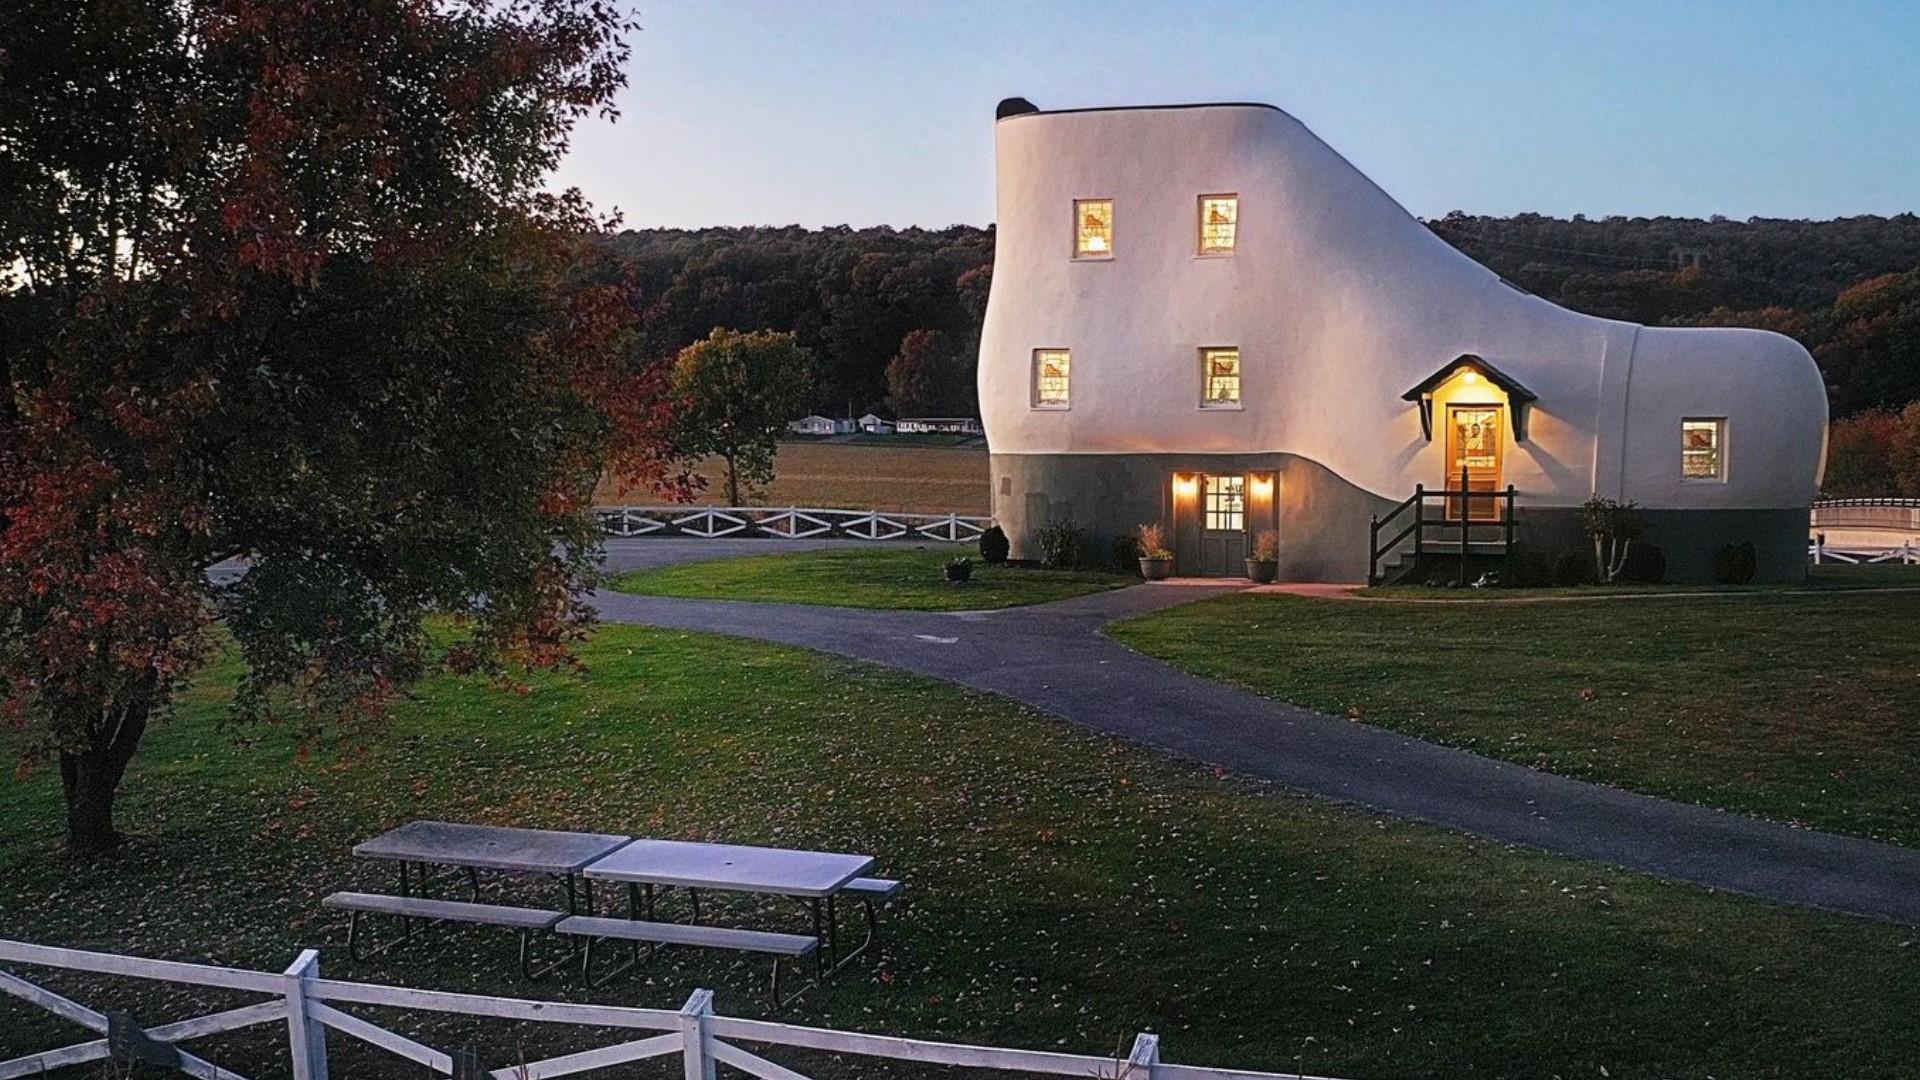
[[281, 281]]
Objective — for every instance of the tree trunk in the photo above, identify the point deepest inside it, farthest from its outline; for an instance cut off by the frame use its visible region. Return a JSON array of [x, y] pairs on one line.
[[91, 776], [733, 483]]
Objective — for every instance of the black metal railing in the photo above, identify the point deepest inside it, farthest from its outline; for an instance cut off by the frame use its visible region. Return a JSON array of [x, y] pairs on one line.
[[1455, 514]]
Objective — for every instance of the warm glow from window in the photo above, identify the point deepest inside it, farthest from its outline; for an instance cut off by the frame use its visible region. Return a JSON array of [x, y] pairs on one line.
[[1052, 370], [1092, 228], [1702, 448], [1220, 378], [1219, 217], [1226, 505]]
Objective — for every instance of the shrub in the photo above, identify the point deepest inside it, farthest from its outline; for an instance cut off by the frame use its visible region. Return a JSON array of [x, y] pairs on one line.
[[994, 546], [959, 570], [1266, 546], [1646, 565], [1573, 567], [1613, 525], [1531, 567], [1736, 564], [1124, 554], [1060, 541]]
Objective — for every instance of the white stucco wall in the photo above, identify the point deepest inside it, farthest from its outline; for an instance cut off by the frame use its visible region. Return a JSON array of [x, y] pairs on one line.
[[1339, 301]]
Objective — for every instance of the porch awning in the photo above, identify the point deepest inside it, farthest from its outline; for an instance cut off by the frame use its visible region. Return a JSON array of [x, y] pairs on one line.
[[1518, 396]]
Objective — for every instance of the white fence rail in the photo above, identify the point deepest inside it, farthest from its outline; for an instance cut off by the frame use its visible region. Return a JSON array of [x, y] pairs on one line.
[[1905, 554], [788, 523], [312, 1007]]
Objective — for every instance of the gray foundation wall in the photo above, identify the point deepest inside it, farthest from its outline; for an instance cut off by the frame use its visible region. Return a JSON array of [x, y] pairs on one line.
[[1322, 519]]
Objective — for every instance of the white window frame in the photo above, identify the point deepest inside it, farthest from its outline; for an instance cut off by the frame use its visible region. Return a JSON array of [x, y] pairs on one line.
[[1719, 449], [1034, 400], [1200, 248], [1074, 238], [1206, 378]]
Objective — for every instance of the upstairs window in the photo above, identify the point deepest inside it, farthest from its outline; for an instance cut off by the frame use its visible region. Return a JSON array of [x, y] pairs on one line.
[[1219, 218], [1052, 370], [1219, 378], [1093, 228], [1703, 445]]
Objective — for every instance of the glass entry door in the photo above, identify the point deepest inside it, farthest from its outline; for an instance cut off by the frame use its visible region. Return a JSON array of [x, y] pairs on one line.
[[1223, 526], [1473, 447]]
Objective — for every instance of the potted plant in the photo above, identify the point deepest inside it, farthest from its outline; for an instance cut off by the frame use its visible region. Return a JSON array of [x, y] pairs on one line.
[[1156, 562], [1264, 564], [959, 571]]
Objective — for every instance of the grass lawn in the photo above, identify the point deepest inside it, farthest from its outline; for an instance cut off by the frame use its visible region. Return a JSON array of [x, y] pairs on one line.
[[1064, 890], [1799, 707], [896, 576], [1830, 576]]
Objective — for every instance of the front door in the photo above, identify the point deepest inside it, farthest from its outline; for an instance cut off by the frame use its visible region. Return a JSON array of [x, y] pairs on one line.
[[1223, 526], [1473, 447]]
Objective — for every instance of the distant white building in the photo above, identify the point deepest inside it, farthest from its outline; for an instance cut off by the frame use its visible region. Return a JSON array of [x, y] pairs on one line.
[[874, 424], [819, 425], [948, 425]]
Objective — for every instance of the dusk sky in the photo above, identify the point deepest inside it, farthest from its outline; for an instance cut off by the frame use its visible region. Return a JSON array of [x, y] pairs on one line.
[[869, 112]]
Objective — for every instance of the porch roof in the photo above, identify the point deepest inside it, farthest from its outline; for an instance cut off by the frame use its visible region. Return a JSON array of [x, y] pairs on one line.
[[1518, 396]]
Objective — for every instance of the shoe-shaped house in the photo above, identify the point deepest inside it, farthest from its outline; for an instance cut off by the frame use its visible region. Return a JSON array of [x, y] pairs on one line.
[[1203, 316]]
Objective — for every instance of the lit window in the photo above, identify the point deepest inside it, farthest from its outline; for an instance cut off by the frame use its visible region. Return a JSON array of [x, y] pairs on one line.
[[1226, 503], [1220, 378], [1703, 443], [1093, 228], [1051, 370], [1219, 215]]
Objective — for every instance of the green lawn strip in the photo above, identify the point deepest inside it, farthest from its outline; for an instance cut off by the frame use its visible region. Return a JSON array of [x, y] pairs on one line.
[[1828, 576], [1065, 891], [1798, 708], [901, 577]]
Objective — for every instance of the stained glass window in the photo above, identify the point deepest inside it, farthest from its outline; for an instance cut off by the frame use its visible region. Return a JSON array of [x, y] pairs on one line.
[[1226, 503], [1092, 228], [1702, 442], [1051, 371], [1220, 374], [1219, 217]]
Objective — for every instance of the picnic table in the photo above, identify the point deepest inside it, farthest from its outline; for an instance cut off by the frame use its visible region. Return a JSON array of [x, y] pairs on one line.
[[492, 847], [815, 878]]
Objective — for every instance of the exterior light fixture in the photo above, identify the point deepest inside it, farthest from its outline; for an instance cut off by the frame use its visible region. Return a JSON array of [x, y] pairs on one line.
[[1262, 485], [1470, 378]]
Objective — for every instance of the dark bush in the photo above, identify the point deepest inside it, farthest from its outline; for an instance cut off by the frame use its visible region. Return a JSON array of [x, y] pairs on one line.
[[994, 546], [1573, 567], [1531, 568], [959, 570], [1124, 554], [1736, 564], [1060, 542], [1646, 565]]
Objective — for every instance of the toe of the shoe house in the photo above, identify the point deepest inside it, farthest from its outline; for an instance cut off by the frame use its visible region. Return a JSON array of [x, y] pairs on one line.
[[1724, 440]]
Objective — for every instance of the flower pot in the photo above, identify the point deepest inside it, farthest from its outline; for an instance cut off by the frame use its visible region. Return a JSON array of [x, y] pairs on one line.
[[1262, 571], [1156, 569]]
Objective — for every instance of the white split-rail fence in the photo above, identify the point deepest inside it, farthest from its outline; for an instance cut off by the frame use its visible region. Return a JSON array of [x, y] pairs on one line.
[[312, 1007], [788, 523], [1877, 531]]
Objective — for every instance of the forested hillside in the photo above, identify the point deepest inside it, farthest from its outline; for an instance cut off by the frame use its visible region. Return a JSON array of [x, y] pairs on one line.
[[893, 315]]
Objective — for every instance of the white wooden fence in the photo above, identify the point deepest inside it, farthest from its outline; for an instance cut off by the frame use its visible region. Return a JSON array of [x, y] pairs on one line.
[[312, 1007], [789, 523], [1905, 554]]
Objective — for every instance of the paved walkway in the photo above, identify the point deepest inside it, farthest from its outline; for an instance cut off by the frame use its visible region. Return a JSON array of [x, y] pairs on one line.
[[1053, 656]]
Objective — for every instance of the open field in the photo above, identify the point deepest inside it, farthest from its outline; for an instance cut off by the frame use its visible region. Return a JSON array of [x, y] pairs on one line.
[[858, 476], [898, 576], [1800, 707], [1064, 890]]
